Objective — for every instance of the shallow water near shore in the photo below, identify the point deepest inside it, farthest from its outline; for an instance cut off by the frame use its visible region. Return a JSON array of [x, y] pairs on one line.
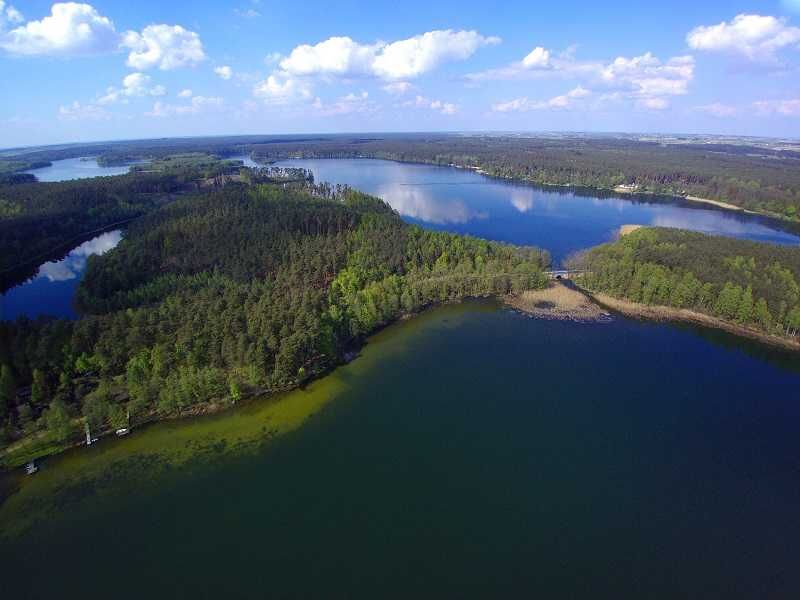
[[471, 452]]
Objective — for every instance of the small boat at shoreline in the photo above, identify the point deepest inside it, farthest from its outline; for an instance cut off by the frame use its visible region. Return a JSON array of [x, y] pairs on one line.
[[123, 431]]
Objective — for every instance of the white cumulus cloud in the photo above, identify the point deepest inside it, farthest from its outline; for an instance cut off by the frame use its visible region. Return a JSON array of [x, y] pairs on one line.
[[525, 104], [334, 56], [445, 108], [756, 37], [9, 15], [537, 59], [397, 87], [187, 93], [276, 89], [423, 53], [82, 112], [71, 29], [402, 59], [345, 105], [167, 47], [197, 105], [133, 85], [225, 72], [645, 80]]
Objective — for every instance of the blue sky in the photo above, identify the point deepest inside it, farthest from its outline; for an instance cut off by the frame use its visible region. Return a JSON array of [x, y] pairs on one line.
[[115, 70]]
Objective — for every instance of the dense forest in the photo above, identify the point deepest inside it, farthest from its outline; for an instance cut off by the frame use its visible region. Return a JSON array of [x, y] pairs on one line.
[[748, 283], [241, 289]]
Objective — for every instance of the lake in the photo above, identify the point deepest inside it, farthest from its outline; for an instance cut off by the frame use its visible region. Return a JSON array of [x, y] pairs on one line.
[[469, 452], [472, 452], [76, 168], [558, 219], [562, 221], [52, 289]]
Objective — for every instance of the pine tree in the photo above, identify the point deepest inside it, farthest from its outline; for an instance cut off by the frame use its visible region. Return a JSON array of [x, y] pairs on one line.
[[745, 312], [762, 316], [728, 302], [40, 390]]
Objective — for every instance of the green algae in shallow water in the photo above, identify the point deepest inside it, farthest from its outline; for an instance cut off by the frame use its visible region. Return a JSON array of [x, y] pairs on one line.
[[69, 483]]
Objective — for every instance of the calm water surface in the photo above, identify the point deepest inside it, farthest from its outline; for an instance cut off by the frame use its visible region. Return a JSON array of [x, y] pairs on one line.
[[76, 168], [472, 452], [52, 289], [560, 220]]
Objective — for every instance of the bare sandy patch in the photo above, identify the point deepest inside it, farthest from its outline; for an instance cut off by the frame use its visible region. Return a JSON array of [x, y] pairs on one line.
[[720, 204], [557, 301], [626, 229]]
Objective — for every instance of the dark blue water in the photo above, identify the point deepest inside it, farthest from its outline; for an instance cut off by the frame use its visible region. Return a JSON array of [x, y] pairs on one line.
[[52, 289], [477, 454], [76, 168], [560, 220]]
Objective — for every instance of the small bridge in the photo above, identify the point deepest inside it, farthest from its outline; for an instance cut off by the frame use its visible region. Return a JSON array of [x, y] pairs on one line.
[[564, 273]]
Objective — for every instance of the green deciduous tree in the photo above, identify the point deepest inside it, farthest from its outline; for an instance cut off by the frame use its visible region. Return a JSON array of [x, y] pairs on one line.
[[57, 421]]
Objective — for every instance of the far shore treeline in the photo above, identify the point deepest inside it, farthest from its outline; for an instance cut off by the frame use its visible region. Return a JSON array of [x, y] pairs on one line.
[[751, 174]]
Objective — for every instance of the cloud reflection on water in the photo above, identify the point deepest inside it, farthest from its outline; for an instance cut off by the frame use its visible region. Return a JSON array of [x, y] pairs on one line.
[[522, 200], [75, 262], [419, 203]]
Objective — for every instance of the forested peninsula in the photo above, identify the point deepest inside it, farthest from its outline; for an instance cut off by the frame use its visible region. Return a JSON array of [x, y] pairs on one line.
[[750, 288], [244, 286]]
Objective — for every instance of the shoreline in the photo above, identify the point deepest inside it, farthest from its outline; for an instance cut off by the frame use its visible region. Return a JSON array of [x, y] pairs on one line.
[[718, 203], [616, 189], [667, 313], [28, 450], [619, 189]]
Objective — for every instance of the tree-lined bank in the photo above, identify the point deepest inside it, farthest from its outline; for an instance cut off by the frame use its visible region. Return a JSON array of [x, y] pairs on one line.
[[243, 289]]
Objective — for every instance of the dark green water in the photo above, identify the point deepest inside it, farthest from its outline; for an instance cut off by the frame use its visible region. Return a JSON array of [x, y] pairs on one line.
[[472, 452]]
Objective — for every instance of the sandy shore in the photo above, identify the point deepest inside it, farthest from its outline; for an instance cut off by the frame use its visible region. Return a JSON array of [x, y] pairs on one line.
[[557, 302], [666, 313], [720, 204]]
